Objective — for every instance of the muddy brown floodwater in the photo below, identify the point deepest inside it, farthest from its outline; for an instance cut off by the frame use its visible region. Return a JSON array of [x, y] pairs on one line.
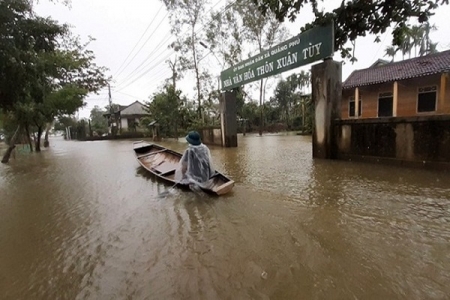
[[82, 220]]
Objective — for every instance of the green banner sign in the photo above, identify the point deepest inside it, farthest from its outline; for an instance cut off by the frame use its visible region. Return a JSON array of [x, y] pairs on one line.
[[307, 47]]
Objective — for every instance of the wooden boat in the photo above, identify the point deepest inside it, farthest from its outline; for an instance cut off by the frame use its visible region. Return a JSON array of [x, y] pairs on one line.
[[163, 162]]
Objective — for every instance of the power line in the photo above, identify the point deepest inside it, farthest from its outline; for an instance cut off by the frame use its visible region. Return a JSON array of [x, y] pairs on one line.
[[160, 74], [168, 37], [158, 47], [148, 27], [157, 77], [148, 70], [382, 43], [148, 57], [127, 94], [141, 66]]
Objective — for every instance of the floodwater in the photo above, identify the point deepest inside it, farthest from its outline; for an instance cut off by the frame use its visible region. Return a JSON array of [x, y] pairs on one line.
[[82, 220]]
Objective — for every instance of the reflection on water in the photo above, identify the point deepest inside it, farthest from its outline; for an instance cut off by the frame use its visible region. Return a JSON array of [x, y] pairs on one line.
[[82, 220]]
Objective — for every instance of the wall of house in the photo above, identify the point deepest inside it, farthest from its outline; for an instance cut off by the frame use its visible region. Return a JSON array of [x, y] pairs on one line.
[[423, 140], [407, 97], [124, 124]]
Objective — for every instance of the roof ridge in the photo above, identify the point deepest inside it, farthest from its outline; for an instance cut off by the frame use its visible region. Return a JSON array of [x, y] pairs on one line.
[[409, 68], [409, 60]]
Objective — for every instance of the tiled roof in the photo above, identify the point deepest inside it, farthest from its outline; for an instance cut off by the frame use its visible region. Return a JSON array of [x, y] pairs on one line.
[[135, 108], [410, 68]]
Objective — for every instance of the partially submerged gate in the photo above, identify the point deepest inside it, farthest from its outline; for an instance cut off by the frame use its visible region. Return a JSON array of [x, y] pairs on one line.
[[310, 46]]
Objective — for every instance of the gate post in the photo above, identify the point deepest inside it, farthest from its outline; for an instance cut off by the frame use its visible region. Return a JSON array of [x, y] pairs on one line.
[[326, 80], [228, 120]]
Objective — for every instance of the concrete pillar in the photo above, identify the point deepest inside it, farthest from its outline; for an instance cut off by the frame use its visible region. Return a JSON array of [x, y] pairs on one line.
[[395, 99], [356, 102], [228, 120], [327, 95], [222, 117], [441, 101]]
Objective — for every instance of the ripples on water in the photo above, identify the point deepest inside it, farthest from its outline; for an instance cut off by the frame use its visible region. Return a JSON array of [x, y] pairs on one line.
[[84, 221]]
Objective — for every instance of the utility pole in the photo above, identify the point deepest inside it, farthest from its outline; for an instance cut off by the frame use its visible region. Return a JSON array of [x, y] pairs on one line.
[[110, 99], [173, 67], [111, 111]]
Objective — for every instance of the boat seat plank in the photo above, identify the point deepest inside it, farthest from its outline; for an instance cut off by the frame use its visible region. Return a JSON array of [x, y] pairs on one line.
[[168, 172], [151, 153], [165, 167]]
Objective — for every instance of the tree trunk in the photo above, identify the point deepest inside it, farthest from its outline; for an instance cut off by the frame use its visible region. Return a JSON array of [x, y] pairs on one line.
[[287, 117], [38, 139], [176, 129], [46, 142], [27, 132], [90, 128], [197, 76], [12, 145]]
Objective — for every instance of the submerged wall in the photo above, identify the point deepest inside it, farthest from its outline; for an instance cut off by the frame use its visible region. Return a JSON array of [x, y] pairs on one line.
[[411, 141], [211, 136]]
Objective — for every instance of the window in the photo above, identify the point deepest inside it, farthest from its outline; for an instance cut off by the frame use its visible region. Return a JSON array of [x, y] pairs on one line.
[[385, 103], [426, 100], [351, 106]]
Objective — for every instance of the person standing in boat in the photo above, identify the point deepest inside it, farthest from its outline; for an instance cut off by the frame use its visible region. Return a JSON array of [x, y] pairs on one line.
[[195, 167]]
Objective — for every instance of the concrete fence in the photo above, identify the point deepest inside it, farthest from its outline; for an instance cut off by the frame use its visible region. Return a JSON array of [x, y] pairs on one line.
[[423, 140]]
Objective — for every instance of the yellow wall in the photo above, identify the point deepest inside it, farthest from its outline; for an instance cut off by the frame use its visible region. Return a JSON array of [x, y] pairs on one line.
[[407, 97]]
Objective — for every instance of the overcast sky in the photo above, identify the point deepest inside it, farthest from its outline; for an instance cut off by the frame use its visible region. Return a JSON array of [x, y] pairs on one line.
[[117, 27]]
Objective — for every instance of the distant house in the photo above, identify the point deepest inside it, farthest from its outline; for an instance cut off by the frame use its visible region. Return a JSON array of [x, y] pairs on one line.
[[413, 87], [127, 118]]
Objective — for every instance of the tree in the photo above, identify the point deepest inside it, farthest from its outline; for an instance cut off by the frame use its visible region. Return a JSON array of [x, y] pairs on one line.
[[164, 108], [416, 33], [390, 51], [250, 112], [417, 38], [357, 18], [24, 38], [186, 17], [44, 71], [224, 36], [62, 122], [283, 96], [67, 75], [264, 30], [99, 124], [427, 46]]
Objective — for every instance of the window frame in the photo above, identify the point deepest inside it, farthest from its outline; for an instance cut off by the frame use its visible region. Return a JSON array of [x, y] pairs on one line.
[[352, 99], [424, 92], [385, 95]]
